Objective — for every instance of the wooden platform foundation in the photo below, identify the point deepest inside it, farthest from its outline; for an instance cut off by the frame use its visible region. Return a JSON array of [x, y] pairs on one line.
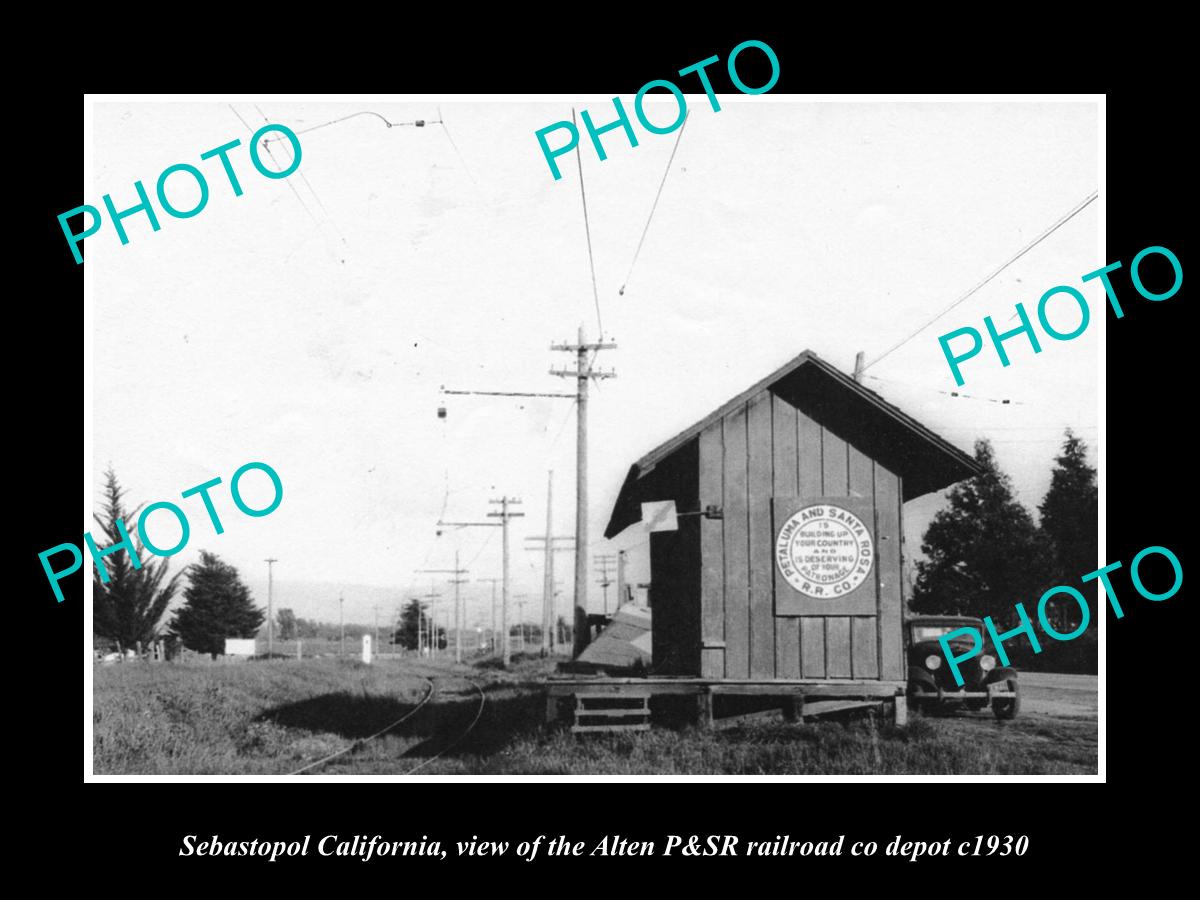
[[612, 704]]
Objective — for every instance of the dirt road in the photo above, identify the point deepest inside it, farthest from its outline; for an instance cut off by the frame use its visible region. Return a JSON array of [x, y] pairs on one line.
[[1059, 696]]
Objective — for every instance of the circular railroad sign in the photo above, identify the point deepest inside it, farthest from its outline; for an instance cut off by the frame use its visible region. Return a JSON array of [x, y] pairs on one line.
[[824, 551]]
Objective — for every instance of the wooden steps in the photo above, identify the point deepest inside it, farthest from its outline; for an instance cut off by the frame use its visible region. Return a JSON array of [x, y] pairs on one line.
[[626, 712]]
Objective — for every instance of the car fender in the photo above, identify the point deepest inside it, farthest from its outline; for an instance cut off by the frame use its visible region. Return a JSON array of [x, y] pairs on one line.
[[1004, 673], [917, 675]]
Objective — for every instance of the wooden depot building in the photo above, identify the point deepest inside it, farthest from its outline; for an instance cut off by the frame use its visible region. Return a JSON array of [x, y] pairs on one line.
[[783, 576]]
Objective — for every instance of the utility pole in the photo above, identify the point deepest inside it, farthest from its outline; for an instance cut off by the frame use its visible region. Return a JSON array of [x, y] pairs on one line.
[[456, 581], [583, 374], [621, 562], [431, 627], [270, 606], [494, 581], [548, 564], [603, 562], [548, 551], [504, 515], [520, 602], [458, 612], [420, 624], [375, 647], [342, 622]]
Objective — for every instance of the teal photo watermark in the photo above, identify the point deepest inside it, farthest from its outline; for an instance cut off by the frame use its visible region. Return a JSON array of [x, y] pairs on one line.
[[622, 116], [1026, 626], [185, 170], [963, 353], [126, 544]]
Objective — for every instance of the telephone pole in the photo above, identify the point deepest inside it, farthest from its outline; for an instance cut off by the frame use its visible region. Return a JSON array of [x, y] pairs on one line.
[[583, 374], [504, 515], [342, 622], [494, 581], [375, 646], [548, 551], [520, 602], [420, 626], [602, 563], [622, 560], [270, 606], [456, 581], [430, 625]]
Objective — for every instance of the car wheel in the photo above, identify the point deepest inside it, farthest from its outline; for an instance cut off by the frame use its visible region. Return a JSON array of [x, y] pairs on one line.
[[1006, 708]]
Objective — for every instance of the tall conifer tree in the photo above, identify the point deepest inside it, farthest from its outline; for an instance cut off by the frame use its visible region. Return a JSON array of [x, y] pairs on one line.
[[984, 552], [1069, 513], [128, 608], [218, 606]]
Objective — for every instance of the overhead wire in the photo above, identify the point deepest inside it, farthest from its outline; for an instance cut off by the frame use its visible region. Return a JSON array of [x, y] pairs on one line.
[[653, 206], [563, 426], [303, 177], [1056, 428], [272, 155], [365, 112], [442, 121], [1078, 208], [588, 231], [482, 547], [958, 394]]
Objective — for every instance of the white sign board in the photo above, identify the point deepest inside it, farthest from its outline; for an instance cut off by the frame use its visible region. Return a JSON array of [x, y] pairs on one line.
[[824, 551], [659, 516], [240, 647], [366, 653]]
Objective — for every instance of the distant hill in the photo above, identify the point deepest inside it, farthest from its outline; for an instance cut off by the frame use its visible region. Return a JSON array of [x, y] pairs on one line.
[[319, 600]]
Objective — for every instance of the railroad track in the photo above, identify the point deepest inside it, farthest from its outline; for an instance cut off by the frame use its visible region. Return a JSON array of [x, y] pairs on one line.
[[463, 734], [431, 682]]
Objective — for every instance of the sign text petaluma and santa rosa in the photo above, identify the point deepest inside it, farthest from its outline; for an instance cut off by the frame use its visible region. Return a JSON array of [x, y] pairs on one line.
[[824, 551]]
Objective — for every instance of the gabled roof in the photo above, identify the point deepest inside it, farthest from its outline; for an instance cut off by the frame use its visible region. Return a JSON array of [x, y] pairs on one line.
[[925, 461]]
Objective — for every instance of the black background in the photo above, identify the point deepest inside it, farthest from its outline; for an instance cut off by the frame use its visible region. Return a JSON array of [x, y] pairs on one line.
[[1149, 688]]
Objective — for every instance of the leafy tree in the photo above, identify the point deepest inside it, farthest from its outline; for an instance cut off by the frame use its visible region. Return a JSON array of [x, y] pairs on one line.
[[411, 617], [218, 606], [1069, 513], [130, 606], [307, 628], [288, 624], [984, 551]]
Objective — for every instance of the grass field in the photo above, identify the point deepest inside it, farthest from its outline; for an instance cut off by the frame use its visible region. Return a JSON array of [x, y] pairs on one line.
[[274, 718]]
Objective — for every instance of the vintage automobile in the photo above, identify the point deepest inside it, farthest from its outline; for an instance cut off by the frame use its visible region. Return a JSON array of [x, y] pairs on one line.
[[931, 685]]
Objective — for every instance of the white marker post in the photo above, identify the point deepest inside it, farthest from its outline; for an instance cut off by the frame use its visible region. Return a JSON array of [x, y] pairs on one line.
[[366, 651]]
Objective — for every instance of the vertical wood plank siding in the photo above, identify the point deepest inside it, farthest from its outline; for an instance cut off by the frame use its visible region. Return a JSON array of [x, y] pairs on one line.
[[760, 486], [784, 434], [712, 555], [771, 447], [736, 547], [810, 466]]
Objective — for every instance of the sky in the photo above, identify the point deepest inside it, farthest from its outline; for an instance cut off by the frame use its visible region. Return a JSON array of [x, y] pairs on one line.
[[310, 322]]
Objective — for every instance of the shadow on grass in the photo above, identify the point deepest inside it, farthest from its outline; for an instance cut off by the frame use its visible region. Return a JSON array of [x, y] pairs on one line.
[[441, 725], [348, 715], [445, 724]]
